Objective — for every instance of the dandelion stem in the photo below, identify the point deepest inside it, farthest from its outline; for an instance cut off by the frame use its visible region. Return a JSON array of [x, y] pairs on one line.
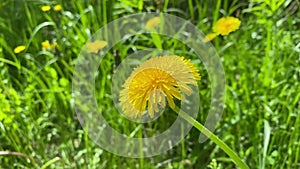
[[236, 159]]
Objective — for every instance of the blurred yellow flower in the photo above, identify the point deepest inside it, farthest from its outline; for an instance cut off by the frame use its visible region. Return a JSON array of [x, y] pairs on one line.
[[19, 49], [46, 8], [223, 27], [46, 45], [154, 81], [209, 37], [226, 25], [152, 23], [57, 8], [94, 47]]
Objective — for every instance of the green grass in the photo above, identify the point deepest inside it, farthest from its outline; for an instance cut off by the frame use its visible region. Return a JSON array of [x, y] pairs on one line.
[[261, 120]]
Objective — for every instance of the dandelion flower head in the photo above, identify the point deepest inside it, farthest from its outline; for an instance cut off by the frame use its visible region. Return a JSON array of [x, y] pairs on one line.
[[152, 23], [46, 8], [156, 81], [94, 47], [226, 25], [57, 8], [19, 49], [46, 45]]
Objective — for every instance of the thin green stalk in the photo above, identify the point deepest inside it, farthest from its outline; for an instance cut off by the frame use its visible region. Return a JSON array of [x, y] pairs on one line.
[[141, 150], [216, 11], [191, 8], [166, 5], [49, 163], [213, 138], [183, 151]]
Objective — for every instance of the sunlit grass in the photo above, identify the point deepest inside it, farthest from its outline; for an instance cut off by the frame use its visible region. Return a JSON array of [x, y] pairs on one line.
[[261, 61]]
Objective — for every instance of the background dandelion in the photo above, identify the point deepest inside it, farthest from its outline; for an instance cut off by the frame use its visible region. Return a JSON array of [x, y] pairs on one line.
[[94, 47], [57, 7], [37, 118], [45, 8], [19, 49], [152, 23], [46, 45], [226, 25], [223, 27]]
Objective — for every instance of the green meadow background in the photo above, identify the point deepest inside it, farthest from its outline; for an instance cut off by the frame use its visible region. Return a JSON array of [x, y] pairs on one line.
[[261, 122]]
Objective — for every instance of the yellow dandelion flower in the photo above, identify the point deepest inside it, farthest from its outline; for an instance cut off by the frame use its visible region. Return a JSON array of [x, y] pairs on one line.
[[153, 81], [46, 8], [226, 25], [57, 8], [152, 23], [209, 37], [46, 45], [94, 47], [19, 49]]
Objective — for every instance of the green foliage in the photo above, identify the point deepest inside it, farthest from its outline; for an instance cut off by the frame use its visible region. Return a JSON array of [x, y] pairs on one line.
[[261, 121]]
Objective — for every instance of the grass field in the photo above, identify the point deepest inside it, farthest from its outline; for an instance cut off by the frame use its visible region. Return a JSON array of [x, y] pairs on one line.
[[39, 127]]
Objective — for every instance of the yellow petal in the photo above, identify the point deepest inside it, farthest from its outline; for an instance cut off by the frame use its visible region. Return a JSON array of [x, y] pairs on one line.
[[19, 49], [150, 110]]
